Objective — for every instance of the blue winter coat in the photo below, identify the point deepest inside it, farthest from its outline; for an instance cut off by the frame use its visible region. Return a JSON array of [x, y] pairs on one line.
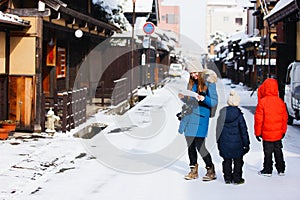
[[232, 134], [196, 123]]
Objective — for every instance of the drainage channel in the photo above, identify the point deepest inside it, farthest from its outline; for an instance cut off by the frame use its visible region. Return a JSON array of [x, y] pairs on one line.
[[90, 131]]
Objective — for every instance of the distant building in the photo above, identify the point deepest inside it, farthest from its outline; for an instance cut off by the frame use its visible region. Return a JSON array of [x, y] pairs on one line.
[[170, 24], [169, 17], [224, 16]]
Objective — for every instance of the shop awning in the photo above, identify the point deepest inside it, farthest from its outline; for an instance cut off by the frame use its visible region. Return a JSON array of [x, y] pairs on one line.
[[282, 9]]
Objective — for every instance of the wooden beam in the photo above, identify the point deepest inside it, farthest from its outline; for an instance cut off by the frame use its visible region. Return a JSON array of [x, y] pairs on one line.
[[88, 19], [60, 22], [3, 2], [29, 12]]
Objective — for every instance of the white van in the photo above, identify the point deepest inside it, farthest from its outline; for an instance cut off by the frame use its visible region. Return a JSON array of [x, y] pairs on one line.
[[292, 92], [175, 69]]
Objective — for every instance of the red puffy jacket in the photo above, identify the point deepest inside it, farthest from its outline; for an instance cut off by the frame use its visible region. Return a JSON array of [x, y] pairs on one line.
[[270, 119]]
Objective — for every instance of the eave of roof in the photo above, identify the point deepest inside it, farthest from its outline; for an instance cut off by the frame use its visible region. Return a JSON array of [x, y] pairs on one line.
[[59, 6], [12, 22], [12, 25], [282, 9]]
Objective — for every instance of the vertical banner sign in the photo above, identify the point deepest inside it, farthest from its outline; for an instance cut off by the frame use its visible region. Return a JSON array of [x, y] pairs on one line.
[[143, 60], [51, 53]]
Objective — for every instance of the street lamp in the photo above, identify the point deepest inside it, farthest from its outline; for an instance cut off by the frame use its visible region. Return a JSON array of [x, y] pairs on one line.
[[132, 54]]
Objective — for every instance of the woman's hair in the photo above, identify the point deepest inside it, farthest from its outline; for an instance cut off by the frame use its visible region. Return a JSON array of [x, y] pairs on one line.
[[201, 83]]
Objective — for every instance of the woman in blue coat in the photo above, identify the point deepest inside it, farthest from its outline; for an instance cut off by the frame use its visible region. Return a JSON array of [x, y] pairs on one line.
[[233, 140], [195, 119]]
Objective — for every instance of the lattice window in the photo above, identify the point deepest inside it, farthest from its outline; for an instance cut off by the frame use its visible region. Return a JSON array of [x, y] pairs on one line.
[[61, 66]]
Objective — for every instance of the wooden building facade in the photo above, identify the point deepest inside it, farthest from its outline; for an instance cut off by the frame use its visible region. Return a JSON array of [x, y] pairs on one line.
[[42, 56]]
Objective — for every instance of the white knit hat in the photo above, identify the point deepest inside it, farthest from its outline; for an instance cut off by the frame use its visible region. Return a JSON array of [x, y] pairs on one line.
[[194, 65], [192, 68], [233, 99]]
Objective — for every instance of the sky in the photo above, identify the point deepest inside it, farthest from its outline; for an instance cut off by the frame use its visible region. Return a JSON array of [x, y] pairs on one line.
[[192, 18], [140, 155]]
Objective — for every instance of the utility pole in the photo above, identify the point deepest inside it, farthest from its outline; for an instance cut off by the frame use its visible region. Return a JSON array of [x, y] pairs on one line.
[[131, 101]]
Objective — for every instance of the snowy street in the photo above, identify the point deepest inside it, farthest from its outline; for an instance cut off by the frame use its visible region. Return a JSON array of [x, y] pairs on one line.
[[140, 155]]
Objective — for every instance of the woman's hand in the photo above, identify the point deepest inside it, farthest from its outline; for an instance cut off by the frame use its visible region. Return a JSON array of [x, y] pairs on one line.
[[181, 96], [200, 97]]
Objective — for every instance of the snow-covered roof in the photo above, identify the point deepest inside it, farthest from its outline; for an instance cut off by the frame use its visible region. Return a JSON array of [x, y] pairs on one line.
[[6, 17], [249, 39], [108, 6], [218, 46], [109, 3], [124, 34], [164, 45], [238, 36], [224, 53], [166, 34], [279, 5]]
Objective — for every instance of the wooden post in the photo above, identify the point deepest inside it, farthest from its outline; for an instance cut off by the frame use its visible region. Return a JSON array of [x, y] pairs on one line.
[[65, 112], [55, 103], [81, 105], [70, 111], [75, 107], [84, 104], [102, 91], [43, 113], [38, 80]]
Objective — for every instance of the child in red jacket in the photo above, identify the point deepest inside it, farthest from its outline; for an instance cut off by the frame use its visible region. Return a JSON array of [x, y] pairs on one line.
[[270, 124]]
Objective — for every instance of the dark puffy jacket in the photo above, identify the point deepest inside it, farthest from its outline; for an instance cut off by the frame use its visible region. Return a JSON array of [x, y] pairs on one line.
[[232, 132]]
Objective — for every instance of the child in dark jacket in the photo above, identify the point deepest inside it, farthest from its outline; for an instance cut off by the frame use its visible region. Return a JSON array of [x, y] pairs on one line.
[[233, 139]]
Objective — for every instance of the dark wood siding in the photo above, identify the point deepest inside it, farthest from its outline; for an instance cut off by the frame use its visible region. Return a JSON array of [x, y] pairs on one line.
[[3, 97]]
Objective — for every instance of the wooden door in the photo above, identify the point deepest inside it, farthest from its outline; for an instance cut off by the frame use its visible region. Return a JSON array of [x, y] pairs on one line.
[[21, 98]]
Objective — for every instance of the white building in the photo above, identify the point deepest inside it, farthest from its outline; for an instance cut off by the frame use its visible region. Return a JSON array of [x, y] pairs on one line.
[[224, 16]]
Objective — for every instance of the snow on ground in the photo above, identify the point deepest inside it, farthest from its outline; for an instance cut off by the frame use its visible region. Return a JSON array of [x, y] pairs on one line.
[[140, 155]]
